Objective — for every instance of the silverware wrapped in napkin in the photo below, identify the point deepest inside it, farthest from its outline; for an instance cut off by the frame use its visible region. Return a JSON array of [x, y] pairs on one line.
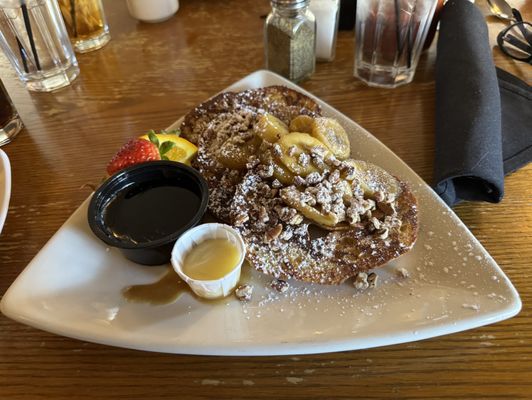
[[483, 115]]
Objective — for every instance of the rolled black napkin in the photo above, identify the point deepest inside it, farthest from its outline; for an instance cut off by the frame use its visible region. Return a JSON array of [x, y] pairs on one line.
[[470, 141], [348, 9], [516, 103]]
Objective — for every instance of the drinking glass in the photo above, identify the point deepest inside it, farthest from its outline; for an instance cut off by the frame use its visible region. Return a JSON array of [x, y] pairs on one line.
[[85, 23], [34, 39], [389, 39], [10, 122]]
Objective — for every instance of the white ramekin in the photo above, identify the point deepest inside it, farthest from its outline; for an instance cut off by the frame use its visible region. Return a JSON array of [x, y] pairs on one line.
[[211, 289]]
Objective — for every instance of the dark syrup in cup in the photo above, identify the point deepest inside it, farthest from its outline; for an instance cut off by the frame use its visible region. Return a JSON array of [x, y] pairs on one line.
[[148, 212], [142, 210]]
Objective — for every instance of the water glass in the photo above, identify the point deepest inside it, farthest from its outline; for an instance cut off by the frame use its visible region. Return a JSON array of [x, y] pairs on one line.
[[389, 39], [34, 39], [10, 122], [85, 23]]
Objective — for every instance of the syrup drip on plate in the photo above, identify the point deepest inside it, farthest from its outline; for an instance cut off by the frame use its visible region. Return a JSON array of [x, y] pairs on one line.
[[164, 291], [170, 287]]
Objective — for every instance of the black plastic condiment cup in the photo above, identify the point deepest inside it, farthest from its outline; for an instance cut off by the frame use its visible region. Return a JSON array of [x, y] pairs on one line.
[[154, 252]]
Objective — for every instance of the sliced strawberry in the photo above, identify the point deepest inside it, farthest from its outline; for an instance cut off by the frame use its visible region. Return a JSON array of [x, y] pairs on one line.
[[135, 151]]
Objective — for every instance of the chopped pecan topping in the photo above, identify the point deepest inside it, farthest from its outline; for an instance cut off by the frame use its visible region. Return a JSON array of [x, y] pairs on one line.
[[375, 222], [390, 198], [285, 213], [276, 184], [382, 233], [334, 176], [299, 181], [265, 171], [303, 159], [291, 151], [318, 151], [296, 219], [379, 196], [276, 150], [263, 214], [252, 162], [244, 292], [372, 279], [348, 170], [241, 219], [402, 273], [318, 162], [273, 233], [279, 285], [332, 161], [314, 178], [361, 281]]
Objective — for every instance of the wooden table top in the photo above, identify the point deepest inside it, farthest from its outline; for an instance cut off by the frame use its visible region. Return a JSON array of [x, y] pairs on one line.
[[148, 76]]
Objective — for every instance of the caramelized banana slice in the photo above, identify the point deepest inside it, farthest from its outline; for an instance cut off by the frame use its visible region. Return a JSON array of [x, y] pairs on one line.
[[373, 178], [270, 128], [280, 172], [331, 133], [294, 198], [301, 123], [296, 149], [235, 154]]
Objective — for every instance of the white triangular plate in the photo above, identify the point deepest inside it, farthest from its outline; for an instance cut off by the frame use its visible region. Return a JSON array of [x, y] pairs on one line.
[[73, 287], [5, 187]]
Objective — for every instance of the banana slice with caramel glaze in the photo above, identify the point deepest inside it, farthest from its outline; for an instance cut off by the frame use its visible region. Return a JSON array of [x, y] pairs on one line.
[[333, 135]]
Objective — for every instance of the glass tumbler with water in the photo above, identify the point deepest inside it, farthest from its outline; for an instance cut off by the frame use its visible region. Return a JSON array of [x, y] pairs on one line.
[[34, 39], [10, 122], [389, 37]]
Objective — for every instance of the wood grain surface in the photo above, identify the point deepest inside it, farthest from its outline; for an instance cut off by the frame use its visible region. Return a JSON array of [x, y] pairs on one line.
[[148, 76]]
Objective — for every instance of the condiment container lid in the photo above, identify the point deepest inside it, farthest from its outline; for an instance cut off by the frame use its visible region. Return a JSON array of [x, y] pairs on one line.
[[210, 289]]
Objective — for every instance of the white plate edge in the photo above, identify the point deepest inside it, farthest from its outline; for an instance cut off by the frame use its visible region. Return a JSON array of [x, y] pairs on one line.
[[4, 201]]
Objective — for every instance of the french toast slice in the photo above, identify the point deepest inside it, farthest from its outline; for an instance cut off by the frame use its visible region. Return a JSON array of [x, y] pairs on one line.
[[280, 101], [229, 116], [374, 219], [283, 245]]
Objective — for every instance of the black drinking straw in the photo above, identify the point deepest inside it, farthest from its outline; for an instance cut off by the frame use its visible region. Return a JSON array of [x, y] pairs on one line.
[[410, 40], [27, 23], [73, 16], [409, 46], [400, 44], [398, 30], [23, 55]]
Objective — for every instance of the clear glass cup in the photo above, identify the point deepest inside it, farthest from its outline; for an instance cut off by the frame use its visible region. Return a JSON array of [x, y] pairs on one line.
[[389, 37], [85, 23], [34, 39], [10, 122]]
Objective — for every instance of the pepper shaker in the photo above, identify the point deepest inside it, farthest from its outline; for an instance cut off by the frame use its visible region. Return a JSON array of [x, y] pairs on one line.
[[290, 39]]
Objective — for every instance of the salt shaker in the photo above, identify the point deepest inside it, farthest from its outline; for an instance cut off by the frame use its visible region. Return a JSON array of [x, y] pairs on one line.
[[290, 39], [152, 10], [326, 13]]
